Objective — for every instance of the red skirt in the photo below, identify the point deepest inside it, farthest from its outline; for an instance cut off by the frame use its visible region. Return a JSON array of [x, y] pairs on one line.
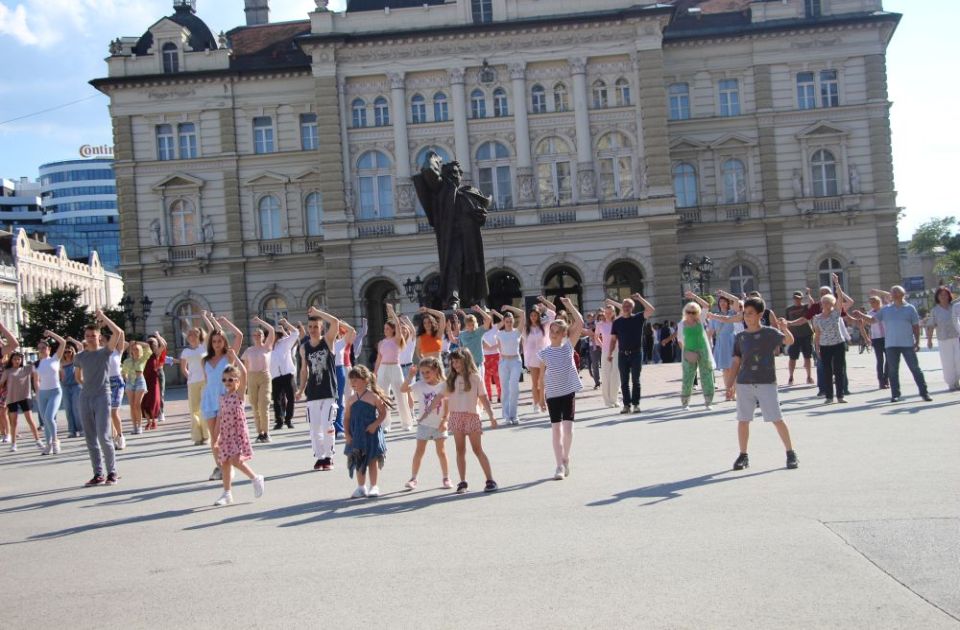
[[151, 400]]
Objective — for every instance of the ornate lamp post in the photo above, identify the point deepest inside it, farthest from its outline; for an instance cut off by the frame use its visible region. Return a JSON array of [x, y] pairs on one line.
[[414, 290], [704, 271], [128, 304]]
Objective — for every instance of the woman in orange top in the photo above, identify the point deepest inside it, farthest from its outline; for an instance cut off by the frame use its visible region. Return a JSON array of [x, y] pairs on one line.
[[430, 336]]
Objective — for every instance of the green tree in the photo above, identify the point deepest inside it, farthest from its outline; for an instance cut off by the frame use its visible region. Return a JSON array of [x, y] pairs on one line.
[[59, 310], [938, 237]]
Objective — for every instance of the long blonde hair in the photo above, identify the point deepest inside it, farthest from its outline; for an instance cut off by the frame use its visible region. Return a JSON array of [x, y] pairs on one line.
[[469, 369], [361, 372]]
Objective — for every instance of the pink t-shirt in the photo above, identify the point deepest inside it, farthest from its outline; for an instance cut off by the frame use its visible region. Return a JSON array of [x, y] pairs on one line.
[[389, 351], [604, 329], [536, 340], [257, 358]]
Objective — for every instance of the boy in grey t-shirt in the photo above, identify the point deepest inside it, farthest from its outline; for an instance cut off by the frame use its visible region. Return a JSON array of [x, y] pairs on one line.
[[754, 352]]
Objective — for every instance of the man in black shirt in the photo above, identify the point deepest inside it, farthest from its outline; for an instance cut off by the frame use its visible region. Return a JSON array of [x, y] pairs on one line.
[[627, 337]]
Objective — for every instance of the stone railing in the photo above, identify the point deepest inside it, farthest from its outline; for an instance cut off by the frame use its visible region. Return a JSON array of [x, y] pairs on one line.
[[181, 253], [618, 212], [270, 248], [828, 204], [375, 229], [553, 217], [690, 215], [313, 244]]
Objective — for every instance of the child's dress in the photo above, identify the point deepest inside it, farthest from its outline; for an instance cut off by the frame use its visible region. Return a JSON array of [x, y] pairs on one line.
[[364, 448], [232, 421]]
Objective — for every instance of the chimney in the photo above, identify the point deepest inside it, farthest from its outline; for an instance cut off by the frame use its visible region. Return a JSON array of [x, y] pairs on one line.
[[258, 12]]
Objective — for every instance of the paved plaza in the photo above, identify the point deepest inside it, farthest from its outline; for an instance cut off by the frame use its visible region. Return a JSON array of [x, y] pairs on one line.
[[651, 530]]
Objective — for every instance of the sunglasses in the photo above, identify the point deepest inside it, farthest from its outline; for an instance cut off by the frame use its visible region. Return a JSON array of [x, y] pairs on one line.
[[690, 312], [230, 380]]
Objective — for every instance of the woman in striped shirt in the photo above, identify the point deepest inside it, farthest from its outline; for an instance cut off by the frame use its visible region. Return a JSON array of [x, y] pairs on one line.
[[561, 383]]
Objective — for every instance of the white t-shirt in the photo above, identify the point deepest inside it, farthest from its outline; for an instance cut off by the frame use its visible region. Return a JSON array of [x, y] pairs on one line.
[[113, 366], [281, 359], [426, 396], [406, 353], [490, 338], [194, 359], [338, 347], [49, 372], [509, 342]]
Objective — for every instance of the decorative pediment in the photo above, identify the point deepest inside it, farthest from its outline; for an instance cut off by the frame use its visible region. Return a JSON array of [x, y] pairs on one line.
[[267, 178], [732, 141], [310, 173], [687, 144], [178, 180], [822, 128]]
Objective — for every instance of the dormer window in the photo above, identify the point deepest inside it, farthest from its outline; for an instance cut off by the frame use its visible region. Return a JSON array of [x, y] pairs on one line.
[[171, 58]]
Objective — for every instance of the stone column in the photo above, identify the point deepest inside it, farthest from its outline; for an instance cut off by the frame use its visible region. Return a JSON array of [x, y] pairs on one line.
[[776, 265], [586, 178], [664, 248], [404, 186], [525, 188], [460, 135], [652, 99]]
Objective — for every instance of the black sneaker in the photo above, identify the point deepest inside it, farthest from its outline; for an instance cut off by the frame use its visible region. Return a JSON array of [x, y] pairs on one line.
[[461, 487], [277, 426], [96, 481], [894, 399], [792, 461], [326, 464], [625, 410], [926, 397], [318, 464], [491, 486], [289, 424], [743, 461], [112, 479]]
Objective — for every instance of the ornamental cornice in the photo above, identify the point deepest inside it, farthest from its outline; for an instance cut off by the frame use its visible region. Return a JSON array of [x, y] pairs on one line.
[[779, 34]]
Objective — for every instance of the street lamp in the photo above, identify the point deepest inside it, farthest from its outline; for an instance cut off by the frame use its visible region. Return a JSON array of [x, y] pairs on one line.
[[705, 271], [699, 271], [414, 290], [128, 304]]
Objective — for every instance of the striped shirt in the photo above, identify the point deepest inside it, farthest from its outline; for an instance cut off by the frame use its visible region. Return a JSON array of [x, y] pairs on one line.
[[561, 376]]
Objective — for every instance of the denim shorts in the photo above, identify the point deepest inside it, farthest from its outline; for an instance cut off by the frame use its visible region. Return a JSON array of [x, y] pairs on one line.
[[116, 391], [137, 383]]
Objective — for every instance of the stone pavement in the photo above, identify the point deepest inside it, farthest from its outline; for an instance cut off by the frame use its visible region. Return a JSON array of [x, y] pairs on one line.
[[651, 530]]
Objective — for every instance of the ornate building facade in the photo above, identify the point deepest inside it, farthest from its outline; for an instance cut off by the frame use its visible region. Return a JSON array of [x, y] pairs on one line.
[[269, 169]]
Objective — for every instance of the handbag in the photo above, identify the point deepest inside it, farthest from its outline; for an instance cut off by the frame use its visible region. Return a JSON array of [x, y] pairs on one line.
[[691, 357]]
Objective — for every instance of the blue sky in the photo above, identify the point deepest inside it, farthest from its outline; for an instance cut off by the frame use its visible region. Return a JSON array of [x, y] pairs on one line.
[[49, 49]]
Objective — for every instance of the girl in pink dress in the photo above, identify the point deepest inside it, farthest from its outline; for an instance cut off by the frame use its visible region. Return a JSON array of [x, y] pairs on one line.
[[233, 442]]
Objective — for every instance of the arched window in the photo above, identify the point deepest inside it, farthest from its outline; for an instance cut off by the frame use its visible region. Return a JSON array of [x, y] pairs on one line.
[[171, 58], [685, 185], [616, 166], [824, 168], [554, 177], [505, 289], [828, 267], [313, 205], [319, 300], [538, 99], [622, 280], [478, 104], [376, 296], [561, 102], [381, 112], [623, 92], [500, 106], [375, 183], [600, 98], [274, 309], [269, 216], [742, 280], [418, 109], [493, 170], [441, 110], [421, 161], [183, 223], [679, 100], [734, 177], [359, 108], [187, 315], [563, 281]]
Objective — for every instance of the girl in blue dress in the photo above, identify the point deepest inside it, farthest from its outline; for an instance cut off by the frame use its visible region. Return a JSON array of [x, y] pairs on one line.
[[214, 364], [366, 448], [724, 334]]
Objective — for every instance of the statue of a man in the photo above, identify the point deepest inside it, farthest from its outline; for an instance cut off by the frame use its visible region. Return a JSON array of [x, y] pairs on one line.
[[456, 214]]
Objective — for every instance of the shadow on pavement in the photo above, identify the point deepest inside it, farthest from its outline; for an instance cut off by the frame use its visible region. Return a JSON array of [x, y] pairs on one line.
[[674, 489]]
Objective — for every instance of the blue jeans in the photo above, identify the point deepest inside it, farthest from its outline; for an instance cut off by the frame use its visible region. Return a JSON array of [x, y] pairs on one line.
[[510, 370], [893, 369], [71, 402], [341, 383], [630, 363], [48, 403]]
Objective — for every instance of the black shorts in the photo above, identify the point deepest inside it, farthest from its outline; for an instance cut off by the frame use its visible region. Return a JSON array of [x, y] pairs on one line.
[[561, 408], [801, 344], [22, 406]]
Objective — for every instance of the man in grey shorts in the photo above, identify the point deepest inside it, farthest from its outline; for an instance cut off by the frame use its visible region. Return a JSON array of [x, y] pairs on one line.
[[754, 353], [95, 399]]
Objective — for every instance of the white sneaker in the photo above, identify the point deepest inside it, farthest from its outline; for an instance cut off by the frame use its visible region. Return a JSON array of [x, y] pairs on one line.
[[410, 485], [685, 408], [56, 447], [47, 449], [42, 446], [258, 486], [216, 475], [709, 407], [559, 475], [13, 448], [5, 439], [359, 493], [566, 468], [121, 442], [161, 418], [225, 499], [374, 491]]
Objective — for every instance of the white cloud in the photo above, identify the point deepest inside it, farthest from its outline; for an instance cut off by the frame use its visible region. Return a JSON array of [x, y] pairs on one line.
[[13, 22], [44, 23]]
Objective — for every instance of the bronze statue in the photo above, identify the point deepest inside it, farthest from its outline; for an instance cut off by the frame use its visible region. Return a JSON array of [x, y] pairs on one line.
[[456, 214]]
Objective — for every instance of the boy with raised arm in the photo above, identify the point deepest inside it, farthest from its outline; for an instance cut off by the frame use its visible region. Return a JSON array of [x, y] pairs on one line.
[[318, 380]]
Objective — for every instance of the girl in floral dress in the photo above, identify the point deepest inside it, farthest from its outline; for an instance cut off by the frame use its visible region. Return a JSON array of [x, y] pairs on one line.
[[233, 448]]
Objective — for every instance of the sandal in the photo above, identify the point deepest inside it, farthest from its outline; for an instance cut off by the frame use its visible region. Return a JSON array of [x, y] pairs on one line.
[[461, 487]]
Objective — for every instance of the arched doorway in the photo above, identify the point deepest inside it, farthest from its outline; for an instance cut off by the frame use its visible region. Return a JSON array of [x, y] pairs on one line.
[[505, 289], [375, 298], [622, 280], [563, 281]]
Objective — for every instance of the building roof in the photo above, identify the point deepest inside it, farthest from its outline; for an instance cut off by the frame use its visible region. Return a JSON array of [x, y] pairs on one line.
[[379, 5], [268, 45], [200, 36]]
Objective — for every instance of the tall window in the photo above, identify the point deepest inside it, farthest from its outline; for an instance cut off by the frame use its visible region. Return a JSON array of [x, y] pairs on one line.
[[418, 109], [600, 98], [381, 112], [493, 164], [828, 267], [616, 166], [623, 92], [441, 109], [622, 280], [806, 90], [263, 134], [268, 211], [561, 101], [742, 280], [165, 147], [554, 177], [375, 185], [538, 99], [187, 136], [679, 94], [829, 88], [734, 176], [500, 106], [359, 110], [478, 104], [309, 138], [274, 309], [313, 205], [824, 171], [482, 11], [171, 58], [187, 315], [813, 8], [685, 185], [729, 97], [183, 223]]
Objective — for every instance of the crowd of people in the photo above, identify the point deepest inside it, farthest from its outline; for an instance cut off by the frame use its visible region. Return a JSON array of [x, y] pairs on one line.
[[437, 375]]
